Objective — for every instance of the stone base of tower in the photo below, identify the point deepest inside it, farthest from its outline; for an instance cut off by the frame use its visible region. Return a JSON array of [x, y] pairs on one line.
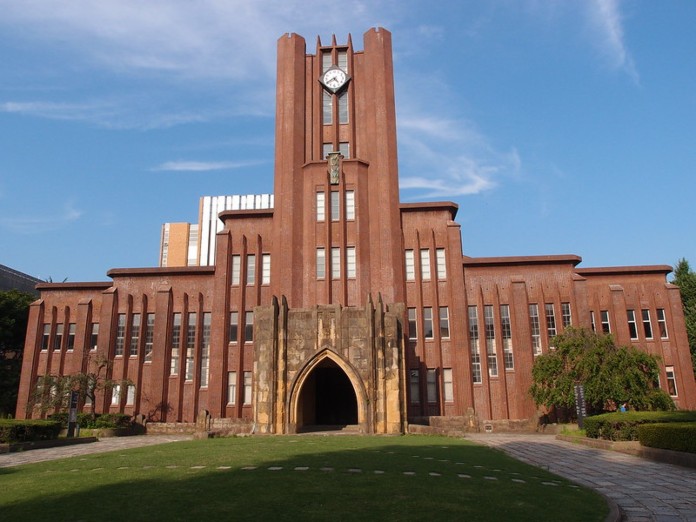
[[329, 366]]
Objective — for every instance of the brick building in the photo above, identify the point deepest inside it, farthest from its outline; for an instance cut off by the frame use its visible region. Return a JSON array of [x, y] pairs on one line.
[[338, 304]]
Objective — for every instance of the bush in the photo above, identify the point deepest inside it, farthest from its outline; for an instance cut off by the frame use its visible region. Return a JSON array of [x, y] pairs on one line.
[[677, 436], [87, 421], [624, 425], [13, 430]]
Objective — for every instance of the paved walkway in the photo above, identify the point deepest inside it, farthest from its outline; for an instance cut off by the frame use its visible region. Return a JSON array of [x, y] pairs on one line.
[[643, 489]]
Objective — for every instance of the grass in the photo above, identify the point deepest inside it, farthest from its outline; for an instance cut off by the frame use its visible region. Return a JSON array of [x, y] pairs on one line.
[[320, 478]]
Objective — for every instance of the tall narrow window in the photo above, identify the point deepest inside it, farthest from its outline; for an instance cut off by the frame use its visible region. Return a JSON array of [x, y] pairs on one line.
[[425, 264], [662, 323], [444, 323], [130, 395], [266, 269], [474, 345], [335, 262], [176, 344], [412, 331], [432, 385], [190, 344], [344, 149], [58, 339], [489, 324], [632, 327], [116, 395], [647, 324], [350, 262], [410, 266], [343, 107], [342, 60], [326, 149], [236, 269], [46, 338], [414, 386], [606, 326], [94, 338], [506, 334], [135, 335], [550, 322], [335, 206], [149, 336], [350, 205], [251, 269], [249, 327], [247, 387], [327, 108], [321, 263], [535, 329], [565, 315], [671, 381], [427, 322], [448, 384], [234, 327], [441, 265], [231, 387], [72, 329], [326, 61], [205, 350], [120, 334], [321, 206], [593, 324]]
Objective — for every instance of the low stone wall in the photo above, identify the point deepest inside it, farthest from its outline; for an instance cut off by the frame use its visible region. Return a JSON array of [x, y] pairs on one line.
[[168, 428], [210, 427], [458, 426]]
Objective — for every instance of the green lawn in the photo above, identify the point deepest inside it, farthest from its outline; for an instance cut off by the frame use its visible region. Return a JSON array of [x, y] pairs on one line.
[[295, 478]]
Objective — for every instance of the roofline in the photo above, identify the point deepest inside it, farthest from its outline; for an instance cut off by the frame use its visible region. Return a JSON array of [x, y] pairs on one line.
[[165, 270], [96, 285], [616, 270], [245, 213], [430, 205], [522, 260]]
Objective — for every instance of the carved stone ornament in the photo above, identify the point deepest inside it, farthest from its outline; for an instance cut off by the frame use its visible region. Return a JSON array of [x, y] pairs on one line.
[[334, 167]]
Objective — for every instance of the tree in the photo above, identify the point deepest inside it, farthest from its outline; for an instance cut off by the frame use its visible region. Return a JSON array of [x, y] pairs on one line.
[[611, 375], [14, 312], [685, 279]]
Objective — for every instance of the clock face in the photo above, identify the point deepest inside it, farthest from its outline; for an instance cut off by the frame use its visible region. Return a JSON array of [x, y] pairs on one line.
[[334, 79]]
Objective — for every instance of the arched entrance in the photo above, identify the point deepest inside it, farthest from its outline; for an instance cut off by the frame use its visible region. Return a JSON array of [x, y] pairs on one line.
[[327, 399]]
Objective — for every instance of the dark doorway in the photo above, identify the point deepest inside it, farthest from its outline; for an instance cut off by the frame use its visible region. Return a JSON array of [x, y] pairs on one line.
[[327, 399]]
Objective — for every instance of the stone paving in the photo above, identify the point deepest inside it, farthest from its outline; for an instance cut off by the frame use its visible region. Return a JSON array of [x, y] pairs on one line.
[[644, 490]]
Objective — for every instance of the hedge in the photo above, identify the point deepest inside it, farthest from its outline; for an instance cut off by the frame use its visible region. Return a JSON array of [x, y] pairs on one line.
[[677, 436], [20, 430], [624, 425], [86, 420]]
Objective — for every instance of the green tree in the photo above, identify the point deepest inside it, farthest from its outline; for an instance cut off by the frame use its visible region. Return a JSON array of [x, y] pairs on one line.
[[685, 279], [14, 312], [611, 375]]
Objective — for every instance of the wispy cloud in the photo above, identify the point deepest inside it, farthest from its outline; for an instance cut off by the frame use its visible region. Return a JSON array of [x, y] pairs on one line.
[[606, 20], [203, 166], [43, 223]]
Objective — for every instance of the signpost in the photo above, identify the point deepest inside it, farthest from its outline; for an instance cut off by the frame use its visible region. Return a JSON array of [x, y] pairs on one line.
[[580, 404], [72, 415]]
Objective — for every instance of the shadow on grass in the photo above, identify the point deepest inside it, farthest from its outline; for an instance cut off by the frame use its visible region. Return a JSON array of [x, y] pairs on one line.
[[279, 478]]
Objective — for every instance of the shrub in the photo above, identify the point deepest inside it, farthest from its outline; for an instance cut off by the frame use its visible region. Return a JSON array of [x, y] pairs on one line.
[[14, 430], [624, 425], [677, 436], [113, 420]]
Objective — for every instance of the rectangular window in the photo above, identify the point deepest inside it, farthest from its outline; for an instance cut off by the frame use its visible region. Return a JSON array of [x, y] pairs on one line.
[[326, 149], [326, 61], [116, 395], [441, 266], [425, 264], [231, 387], [190, 344], [474, 345], [535, 328], [321, 206], [565, 315], [592, 322], [671, 381], [414, 386], [130, 395], [606, 326], [247, 387], [249, 327], [120, 334], [489, 330], [46, 338], [251, 269], [412, 331], [410, 266], [327, 108], [550, 323], [176, 344], [135, 335], [335, 206], [662, 323], [58, 339], [632, 327], [343, 107], [205, 350], [344, 149], [342, 60], [444, 323], [647, 324], [506, 334], [432, 386], [448, 384], [335, 262], [236, 269], [94, 338], [321, 263], [428, 322], [72, 328], [266, 269], [350, 262], [234, 327], [149, 336], [350, 205]]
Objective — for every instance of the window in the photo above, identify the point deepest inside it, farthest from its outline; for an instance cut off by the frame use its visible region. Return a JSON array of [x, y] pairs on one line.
[[236, 269], [335, 262], [344, 149], [266, 269], [550, 322], [632, 328], [326, 149], [247, 387], [448, 384], [135, 335], [489, 331], [120, 334], [231, 387], [205, 350], [116, 395], [251, 269], [249, 327], [350, 205], [474, 345], [321, 263], [425, 264], [192, 254], [506, 333], [72, 328], [606, 326], [190, 344], [444, 323], [326, 61], [58, 339], [149, 336], [671, 381], [343, 107], [647, 324], [566, 318], [662, 323], [335, 206], [321, 206], [441, 265], [592, 322], [94, 338], [130, 395], [414, 386], [234, 327], [410, 266], [176, 344], [432, 385], [343, 60], [45, 339], [327, 108], [535, 329], [412, 331], [350, 262], [427, 322]]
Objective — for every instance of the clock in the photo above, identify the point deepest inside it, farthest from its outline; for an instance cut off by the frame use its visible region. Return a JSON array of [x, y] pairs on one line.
[[334, 79]]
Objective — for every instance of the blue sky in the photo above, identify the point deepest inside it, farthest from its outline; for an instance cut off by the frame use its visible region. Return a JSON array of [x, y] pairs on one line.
[[557, 126]]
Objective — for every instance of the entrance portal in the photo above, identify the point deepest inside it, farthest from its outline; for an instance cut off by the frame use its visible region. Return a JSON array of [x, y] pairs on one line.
[[327, 399]]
